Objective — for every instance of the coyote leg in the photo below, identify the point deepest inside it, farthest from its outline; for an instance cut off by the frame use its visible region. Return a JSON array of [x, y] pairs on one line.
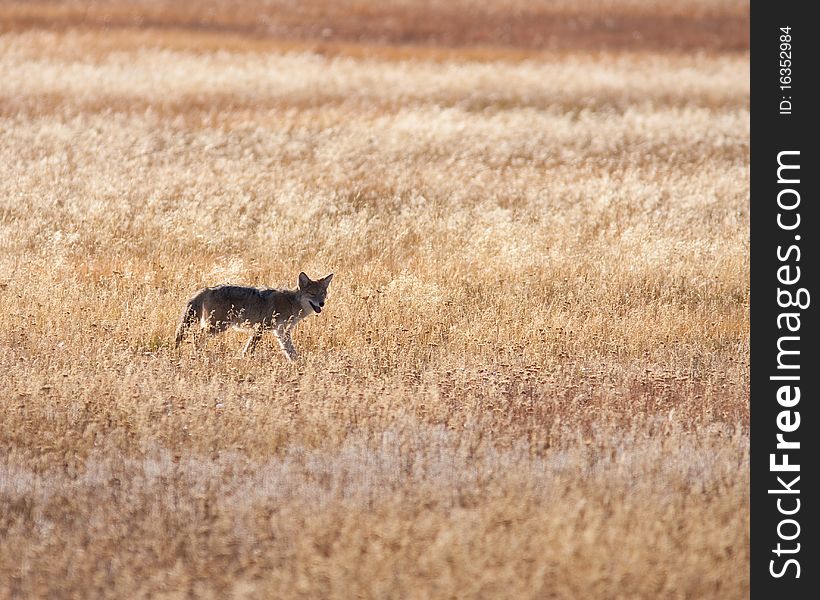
[[252, 340], [186, 321], [207, 330], [286, 343]]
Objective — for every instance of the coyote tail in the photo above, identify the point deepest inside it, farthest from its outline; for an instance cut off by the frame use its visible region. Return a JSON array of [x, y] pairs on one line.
[[188, 318]]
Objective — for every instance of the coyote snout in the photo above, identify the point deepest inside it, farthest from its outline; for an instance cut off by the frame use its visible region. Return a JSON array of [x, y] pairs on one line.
[[258, 309]]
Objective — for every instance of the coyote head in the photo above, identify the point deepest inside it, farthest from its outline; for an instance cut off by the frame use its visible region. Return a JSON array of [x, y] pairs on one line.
[[313, 293]]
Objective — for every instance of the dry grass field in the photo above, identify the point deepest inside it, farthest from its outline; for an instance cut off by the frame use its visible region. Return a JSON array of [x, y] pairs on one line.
[[531, 376]]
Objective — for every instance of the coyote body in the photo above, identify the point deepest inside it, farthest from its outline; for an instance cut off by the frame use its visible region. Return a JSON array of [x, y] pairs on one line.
[[218, 308]]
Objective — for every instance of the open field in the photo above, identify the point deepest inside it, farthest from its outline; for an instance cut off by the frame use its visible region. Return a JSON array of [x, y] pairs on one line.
[[531, 377], [720, 25]]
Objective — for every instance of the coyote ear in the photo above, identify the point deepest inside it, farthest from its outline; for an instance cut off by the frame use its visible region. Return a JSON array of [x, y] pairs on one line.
[[326, 280], [304, 280]]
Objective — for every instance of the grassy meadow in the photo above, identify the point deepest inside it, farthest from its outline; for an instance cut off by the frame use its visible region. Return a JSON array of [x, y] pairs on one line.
[[531, 376]]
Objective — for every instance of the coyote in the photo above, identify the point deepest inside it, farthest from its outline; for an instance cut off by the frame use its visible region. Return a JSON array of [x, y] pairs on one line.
[[260, 309]]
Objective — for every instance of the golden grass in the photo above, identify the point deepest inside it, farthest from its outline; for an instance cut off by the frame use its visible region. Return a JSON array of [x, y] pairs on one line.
[[531, 378]]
